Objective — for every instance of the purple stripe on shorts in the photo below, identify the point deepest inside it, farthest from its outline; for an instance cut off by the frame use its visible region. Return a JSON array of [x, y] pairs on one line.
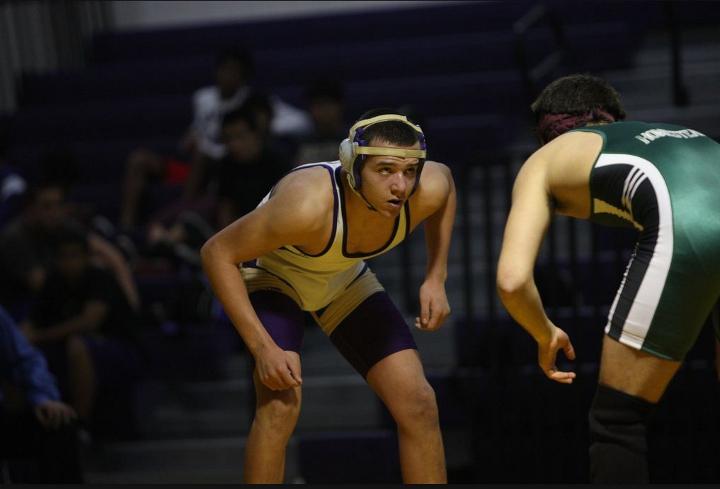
[[373, 331], [282, 318]]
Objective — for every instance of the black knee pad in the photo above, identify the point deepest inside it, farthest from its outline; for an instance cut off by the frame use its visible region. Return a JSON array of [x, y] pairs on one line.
[[617, 417], [618, 446]]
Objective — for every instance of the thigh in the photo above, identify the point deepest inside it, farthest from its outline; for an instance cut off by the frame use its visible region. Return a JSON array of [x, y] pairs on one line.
[[373, 331], [635, 372], [398, 377], [282, 318]]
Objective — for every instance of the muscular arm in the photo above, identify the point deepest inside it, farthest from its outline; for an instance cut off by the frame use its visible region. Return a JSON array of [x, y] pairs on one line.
[[437, 203], [439, 225], [527, 223], [294, 215]]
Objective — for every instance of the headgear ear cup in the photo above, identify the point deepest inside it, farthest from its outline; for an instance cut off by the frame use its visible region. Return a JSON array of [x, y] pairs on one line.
[[347, 159]]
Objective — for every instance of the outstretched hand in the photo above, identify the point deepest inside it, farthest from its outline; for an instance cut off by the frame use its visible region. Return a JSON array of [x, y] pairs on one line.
[[434, 306], [547, 353], [277, 368]]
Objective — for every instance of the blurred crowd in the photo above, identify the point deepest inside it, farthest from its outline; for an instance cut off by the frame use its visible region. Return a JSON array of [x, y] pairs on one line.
[[73, 316]]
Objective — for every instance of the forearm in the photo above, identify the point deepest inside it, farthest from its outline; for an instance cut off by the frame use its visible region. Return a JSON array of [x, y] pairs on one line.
[[81, 323], [229, 287], [525, 306], [115, 261], [438, 234]]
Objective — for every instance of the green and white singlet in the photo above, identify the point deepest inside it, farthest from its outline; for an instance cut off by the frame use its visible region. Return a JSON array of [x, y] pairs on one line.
[[663, 180]]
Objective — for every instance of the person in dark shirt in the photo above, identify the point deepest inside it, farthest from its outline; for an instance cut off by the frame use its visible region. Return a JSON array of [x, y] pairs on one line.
[[326, 104], [250, 168], [38, 427], [83, 323]]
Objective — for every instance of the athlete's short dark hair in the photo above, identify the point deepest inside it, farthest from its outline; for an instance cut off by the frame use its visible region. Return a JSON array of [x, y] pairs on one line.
[[393, 132], [578, 94]]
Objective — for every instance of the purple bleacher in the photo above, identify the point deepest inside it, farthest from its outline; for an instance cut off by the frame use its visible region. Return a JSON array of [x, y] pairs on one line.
[[348, 60], [349, 456], [317, 30]]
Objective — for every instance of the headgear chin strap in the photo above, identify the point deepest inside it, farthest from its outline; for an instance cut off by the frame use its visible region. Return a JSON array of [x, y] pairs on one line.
[[551, 126], [354, 148]]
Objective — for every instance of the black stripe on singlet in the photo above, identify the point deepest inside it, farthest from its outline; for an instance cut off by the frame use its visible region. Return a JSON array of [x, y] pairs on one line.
[[335, 214], [646, 211], [346, 225]]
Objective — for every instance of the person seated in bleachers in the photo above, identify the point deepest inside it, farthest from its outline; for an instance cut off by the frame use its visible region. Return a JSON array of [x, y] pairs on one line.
[[27, 247], [326, 103], [238, 182], [84, 325], [202, 143], [248, 171], [34, 423]]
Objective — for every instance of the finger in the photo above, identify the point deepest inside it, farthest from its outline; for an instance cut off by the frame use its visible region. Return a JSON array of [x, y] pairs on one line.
[[424, 312], [442, 316], [569, 350], [295, 371], [562, 377]]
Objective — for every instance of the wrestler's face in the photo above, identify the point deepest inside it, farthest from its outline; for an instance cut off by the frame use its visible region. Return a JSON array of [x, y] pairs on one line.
[[388, 181]]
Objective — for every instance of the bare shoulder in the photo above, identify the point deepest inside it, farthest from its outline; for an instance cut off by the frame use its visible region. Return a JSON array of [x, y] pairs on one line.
[[436, 184], [570, 157], [295, 214], [304, 196]]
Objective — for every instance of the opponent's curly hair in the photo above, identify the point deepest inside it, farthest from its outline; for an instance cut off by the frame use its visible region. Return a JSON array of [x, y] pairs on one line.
[[574, 101]]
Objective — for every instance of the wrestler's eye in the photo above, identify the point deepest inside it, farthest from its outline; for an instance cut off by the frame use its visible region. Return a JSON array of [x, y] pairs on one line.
[[384, 170], [411, 172]]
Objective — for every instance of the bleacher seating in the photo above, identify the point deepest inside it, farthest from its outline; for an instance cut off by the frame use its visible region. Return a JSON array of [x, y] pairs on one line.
[[457, 66]]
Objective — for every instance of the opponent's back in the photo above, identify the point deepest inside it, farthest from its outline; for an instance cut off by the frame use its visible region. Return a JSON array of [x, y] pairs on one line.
[[638, 160]]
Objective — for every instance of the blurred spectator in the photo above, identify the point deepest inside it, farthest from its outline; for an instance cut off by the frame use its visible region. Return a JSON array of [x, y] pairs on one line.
[[326, 103], [84, 324], [36, 425], [27, 246], [238, 182], [249, 170], [202, 144], [12, 187]]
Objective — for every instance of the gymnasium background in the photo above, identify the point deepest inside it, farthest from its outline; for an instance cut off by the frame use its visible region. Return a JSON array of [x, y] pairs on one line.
[[83, 84]]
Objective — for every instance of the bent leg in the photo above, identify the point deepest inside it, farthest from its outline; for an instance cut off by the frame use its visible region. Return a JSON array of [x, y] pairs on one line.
[[400, 382], [631, 384], [276, 414]]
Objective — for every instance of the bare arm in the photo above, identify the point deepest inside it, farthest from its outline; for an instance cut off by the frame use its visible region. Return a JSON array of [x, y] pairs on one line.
[[439, 226], [434, 307], [89, 319], [294, 215], [525, 229], [527, 223], [115, 261]]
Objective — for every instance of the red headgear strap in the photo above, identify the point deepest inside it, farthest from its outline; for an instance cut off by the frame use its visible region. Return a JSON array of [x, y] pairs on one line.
[[551, 126]]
